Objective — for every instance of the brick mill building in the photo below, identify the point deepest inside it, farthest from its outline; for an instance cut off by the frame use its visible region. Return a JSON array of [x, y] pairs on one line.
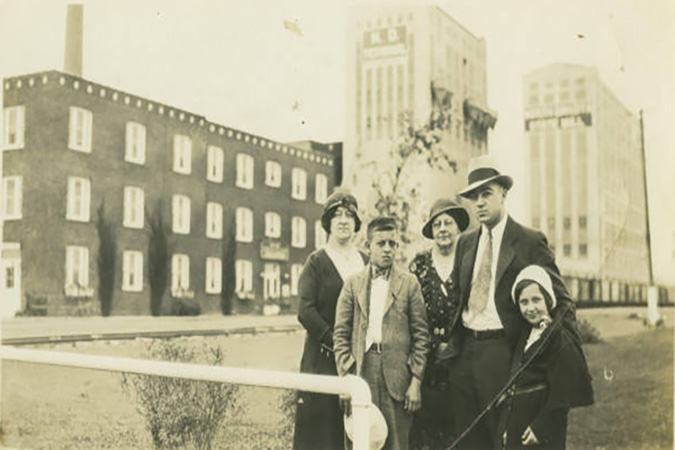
[[87, 167]]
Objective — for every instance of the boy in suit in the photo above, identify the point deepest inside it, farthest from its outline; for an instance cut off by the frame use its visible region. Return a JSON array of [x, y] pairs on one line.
[[381, 332]]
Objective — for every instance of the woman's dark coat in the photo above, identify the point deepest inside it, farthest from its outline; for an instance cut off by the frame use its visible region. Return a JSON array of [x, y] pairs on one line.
[[319, 423], [560, 365]]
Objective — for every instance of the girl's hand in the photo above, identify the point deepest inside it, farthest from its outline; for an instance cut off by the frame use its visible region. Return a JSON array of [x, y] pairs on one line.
[[529, 438]]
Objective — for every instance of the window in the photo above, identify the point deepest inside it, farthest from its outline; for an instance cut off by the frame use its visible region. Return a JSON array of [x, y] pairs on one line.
[[79, 135], [244, 171], [135, 143], [320, 236], [180, 275], [214, 220], [180, 212], [299, 232], [214, 275], [299, 188], [244, 225], [77, 271], [273, 174], [583, 250], [321, 188], [14, 127], [12, 193], [216, 159], [567, 249], [78, 199], [582, 221], [134, 200], [296, 270], [182, 154], [132, 271], [567, 223], [244, 275], [272, 225]]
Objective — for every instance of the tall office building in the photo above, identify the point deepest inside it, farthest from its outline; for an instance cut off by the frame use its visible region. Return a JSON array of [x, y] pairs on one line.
[[587, 181], [399, 59]]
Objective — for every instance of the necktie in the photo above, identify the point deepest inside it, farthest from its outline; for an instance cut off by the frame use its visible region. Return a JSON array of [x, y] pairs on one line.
[[480, 287], [377, 273]]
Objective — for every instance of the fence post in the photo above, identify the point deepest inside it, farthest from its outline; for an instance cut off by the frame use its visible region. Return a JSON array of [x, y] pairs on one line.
[[360, 401], [652, 305]]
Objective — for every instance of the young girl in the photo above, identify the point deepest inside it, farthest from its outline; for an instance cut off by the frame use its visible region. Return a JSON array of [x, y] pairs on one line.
[[556, 377]]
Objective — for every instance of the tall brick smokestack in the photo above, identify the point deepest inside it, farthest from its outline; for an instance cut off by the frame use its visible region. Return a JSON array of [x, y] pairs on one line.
[[72, 63]]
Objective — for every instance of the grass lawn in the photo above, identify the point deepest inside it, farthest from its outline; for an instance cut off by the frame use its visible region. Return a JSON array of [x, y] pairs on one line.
[[633, 382], [46, 407]]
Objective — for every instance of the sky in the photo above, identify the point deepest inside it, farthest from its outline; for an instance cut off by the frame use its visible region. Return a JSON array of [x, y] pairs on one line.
[[236, 63]]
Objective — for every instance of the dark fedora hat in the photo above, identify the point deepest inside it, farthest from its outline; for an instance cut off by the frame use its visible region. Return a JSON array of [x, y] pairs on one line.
[[340, 197], [483, 170], [446, 206]]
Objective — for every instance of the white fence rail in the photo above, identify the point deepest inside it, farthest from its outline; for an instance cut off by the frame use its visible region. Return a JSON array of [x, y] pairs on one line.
[[352, 386]]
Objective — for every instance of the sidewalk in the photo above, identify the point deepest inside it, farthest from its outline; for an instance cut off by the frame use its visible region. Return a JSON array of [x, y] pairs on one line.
[[27, 330], [611, 322]]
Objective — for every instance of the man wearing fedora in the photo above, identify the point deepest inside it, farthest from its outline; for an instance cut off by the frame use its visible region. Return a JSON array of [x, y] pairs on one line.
[[381, 332], [487, 323]]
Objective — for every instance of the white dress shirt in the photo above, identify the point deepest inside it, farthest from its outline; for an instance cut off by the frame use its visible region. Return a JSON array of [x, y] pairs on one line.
[[379, 288], [488, 319]]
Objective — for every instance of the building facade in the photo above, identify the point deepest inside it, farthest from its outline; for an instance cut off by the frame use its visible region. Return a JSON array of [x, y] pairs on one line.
[[88, 168], [406, 61], [586, 181]]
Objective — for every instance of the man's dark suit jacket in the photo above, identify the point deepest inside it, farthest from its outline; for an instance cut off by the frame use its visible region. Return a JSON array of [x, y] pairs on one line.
[[520, 247]]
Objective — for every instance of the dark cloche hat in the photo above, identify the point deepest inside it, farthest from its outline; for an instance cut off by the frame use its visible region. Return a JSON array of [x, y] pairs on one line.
[[446, 206], [340, 197], [483, 170]]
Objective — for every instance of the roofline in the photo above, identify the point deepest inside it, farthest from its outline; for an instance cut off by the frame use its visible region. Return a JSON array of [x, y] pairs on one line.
[[200, 119]]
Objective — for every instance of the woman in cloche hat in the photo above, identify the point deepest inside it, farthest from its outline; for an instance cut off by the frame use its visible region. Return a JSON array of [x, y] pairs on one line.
[[319, 421], [432, 425]]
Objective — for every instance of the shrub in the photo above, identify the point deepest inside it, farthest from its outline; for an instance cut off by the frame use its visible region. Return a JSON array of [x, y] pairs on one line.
[[107, 248], [35, 306], [588, 333], [185, 307], [229, 256], [183, 413], [287, 405], [159, 258]]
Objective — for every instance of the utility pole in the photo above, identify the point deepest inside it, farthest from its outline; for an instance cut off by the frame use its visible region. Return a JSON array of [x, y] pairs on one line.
[[652, 292]]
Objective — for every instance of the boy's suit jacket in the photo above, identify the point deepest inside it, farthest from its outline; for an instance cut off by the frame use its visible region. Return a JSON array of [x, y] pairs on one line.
[[405, 337]]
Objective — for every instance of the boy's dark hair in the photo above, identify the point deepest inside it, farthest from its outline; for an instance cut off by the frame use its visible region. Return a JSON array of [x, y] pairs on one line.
[[381, 223]]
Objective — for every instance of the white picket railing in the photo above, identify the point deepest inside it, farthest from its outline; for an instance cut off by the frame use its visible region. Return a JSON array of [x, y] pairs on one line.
[[352, 386]]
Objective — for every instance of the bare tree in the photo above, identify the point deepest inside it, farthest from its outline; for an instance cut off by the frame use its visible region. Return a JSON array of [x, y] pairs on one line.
[[395, 195]]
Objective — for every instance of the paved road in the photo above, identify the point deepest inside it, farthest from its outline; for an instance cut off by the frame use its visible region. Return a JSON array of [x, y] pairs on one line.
[[612, 322], [64, 329]]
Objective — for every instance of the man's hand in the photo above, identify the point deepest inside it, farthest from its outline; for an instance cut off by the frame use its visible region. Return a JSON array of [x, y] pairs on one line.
[[529, 438], [413, 396], [346, 404]]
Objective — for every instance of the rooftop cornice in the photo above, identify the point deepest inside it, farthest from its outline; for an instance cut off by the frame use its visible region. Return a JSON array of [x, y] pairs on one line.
[[149, 106]]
